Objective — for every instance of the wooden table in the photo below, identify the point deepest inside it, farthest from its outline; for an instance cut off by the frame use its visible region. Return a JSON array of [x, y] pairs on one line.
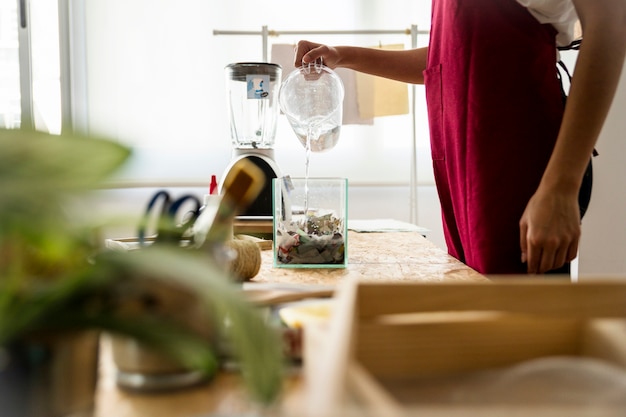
[[395, 256]]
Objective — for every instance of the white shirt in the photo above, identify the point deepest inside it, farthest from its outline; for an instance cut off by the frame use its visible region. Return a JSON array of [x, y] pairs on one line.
[[559, 13]]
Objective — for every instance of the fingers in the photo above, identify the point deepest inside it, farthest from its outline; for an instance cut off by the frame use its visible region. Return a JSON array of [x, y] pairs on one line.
[[523, 240], [549, 231], [533, 259], [543, 255], [315, 53], [559, 259], [306, 53], [565, 253]]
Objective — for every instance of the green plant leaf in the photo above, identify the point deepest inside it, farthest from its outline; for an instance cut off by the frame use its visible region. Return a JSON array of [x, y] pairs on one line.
[[38, 170], [44, 289], [58, 162]]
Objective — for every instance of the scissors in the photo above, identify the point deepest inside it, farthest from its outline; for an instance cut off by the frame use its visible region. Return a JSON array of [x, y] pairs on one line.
[[171, 227]]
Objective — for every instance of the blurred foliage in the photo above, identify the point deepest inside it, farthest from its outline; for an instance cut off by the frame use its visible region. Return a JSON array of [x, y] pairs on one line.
[[54, 276]]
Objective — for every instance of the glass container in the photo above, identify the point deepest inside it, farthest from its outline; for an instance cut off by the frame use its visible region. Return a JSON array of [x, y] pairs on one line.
[[310, 222]]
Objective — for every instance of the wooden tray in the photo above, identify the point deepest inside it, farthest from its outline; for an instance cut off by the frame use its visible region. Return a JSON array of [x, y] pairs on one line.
[[394, 349], [253, 227]]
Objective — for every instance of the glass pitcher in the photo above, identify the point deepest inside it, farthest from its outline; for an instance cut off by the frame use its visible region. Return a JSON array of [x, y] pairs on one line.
[[312, 99]]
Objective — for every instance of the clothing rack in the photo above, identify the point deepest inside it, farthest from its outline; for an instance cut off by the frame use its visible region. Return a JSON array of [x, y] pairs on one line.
[[413, 32]]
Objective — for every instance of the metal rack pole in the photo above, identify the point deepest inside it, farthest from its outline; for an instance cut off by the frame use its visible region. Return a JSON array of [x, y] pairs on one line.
[[265, 33], [413, 181], [413, 32]]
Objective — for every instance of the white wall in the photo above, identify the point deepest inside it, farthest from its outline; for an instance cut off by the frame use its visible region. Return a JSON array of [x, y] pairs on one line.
[[603, 245]]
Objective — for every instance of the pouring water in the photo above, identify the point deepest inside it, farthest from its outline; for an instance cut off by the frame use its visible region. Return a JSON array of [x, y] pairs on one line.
[[312, 100]]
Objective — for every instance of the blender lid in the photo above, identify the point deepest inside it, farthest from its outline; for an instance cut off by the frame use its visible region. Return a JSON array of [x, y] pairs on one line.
[[239, 70]]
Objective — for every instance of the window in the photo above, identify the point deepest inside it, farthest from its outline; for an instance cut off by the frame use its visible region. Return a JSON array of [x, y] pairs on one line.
[[10, 109], [30, 88]]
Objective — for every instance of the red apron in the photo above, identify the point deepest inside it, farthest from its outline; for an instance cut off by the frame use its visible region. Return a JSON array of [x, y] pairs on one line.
[[494, 108]]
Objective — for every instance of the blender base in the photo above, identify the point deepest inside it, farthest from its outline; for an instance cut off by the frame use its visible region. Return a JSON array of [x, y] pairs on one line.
[[257, 218]]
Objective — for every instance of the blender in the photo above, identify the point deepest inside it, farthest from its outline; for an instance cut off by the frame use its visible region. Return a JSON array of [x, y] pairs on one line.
[[253, 109]]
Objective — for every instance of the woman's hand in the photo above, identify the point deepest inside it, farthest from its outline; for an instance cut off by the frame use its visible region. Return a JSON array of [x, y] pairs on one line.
[[309, 52], [549, 231]]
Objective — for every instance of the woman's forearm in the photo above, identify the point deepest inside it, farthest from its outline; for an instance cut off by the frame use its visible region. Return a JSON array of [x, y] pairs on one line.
[[598, 69], [401, 65]]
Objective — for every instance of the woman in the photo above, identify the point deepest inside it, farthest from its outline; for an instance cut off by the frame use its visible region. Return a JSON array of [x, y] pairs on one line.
[[509, 157]]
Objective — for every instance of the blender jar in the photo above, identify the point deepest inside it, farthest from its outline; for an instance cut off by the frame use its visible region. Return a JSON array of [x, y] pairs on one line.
[[253, 103]]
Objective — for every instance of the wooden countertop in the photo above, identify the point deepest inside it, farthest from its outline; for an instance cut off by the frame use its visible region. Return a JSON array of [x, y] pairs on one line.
[[222, 396], [393, 256]]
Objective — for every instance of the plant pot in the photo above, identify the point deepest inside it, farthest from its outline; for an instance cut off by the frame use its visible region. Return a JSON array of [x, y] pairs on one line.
[[140, 367], [51, 376]]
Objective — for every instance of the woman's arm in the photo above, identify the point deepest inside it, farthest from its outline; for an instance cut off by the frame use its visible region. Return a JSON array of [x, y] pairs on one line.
[[401, 65], [550, 226]]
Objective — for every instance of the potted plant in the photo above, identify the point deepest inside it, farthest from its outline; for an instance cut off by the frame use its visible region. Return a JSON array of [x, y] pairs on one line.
[[58, 287]]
